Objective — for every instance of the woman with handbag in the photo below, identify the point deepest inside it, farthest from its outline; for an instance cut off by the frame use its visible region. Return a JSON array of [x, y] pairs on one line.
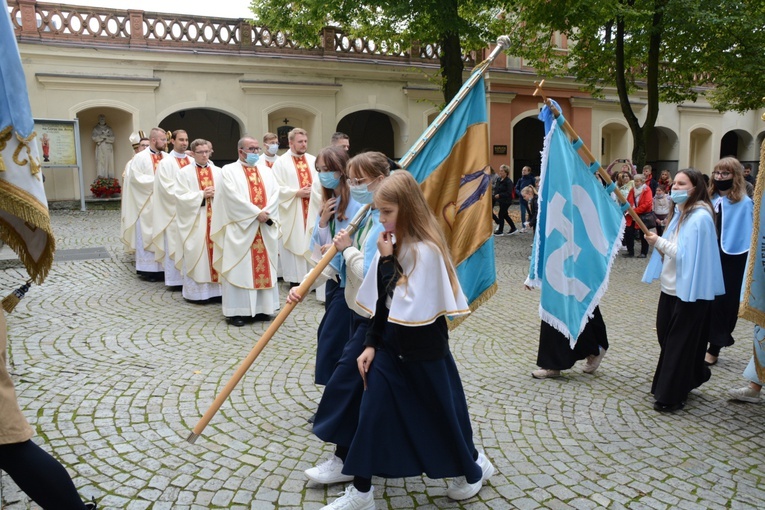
[[641, 200]]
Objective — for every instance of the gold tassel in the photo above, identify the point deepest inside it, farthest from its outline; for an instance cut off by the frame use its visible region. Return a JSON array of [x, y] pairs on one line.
[[11, 300]]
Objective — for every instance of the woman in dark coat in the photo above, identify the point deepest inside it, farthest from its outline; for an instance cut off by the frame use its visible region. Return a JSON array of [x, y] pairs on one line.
[[503, 194]]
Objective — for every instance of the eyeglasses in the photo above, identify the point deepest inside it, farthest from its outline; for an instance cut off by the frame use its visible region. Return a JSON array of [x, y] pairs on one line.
[[253, 150], [356, 182], [724, 175]]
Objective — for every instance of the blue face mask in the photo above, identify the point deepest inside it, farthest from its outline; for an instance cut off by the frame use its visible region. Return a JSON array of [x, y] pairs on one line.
[[252, 159], [328, 180], [362, 195], [679, 196]]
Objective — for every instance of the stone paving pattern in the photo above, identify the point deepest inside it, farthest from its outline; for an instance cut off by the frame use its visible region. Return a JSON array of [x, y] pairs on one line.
[[114, 373]]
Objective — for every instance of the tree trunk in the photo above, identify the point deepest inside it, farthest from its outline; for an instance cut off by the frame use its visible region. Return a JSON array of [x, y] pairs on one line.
[[451, 64]]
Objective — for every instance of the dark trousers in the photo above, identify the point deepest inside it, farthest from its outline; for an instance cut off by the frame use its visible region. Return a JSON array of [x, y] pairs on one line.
[[503, 218], [682, 329], [723, 321], [630, 233], [40, 476], [555, 352]]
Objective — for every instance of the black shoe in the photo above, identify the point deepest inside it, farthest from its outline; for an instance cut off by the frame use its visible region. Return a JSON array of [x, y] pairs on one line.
[[262, 317], [175, 288], [236, 320], [668, 408], [312, 418]]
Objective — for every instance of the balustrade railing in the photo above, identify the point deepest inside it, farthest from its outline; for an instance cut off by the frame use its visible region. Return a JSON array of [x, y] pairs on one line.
[[94, 26]]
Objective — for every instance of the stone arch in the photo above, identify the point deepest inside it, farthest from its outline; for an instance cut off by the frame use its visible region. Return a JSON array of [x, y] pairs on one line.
[[615, 141], [296, 115], [737, 143], [217, 126], [121, 118], [526, 143], [378, 128], [701, 151], [663, 150]]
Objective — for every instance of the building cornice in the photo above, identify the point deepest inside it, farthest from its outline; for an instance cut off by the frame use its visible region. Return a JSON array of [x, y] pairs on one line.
[[90, 82], [278, 87]]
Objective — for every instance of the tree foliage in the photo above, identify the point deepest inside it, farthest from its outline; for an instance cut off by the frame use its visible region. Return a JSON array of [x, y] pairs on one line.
[[456, 26], [671, 50]]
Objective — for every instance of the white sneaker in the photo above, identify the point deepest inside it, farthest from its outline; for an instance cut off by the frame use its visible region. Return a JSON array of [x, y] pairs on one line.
[[545, 373], [745, 394], [351, 499], [459, 489], [593, 362], [329, 471]]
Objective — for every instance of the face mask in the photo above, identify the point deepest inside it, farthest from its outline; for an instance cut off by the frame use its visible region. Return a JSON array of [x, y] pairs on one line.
[[361, 194], [724, 185], [272, 148], [679, 196], [328, 180], [252, 159]]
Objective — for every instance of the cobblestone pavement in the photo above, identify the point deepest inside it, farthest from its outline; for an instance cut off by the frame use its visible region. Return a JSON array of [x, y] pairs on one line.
[[114, 373]]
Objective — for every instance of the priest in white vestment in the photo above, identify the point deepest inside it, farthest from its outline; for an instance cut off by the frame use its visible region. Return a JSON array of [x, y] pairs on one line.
[[139, 143], [137, 205], [194, 192], [299, 202], [245, 230], [270, 148], [164, 238]]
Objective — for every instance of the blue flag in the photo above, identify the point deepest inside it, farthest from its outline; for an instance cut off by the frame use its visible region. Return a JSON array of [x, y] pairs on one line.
[[452, 166], [578, 234]]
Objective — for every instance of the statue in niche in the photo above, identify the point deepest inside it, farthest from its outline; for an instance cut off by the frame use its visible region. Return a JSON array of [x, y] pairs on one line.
[[103, 136]]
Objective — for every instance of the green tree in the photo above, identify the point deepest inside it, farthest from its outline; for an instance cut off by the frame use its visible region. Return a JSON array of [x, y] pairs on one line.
[[456, 26], [672, 50]]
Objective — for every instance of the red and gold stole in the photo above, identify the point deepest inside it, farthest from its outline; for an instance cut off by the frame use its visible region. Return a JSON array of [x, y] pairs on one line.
[[261, 267], [156, 157], [183, 162], [304, 179], [205, 179]]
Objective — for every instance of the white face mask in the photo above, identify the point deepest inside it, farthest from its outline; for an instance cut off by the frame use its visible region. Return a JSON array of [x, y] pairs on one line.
[[272, 148]]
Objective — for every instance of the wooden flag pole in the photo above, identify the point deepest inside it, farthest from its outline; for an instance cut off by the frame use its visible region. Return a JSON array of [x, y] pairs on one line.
[[502, 43], [592, 159], [245, 365]]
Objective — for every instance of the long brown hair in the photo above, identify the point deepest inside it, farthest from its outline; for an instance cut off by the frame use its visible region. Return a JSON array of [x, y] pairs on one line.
[[700, 195], [734, 166], [335, 159], [415, 221]]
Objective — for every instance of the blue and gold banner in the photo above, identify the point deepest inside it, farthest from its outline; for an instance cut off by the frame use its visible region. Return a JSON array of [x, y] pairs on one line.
[[578, 234], [24, 220], [753, 291], [453, 169]]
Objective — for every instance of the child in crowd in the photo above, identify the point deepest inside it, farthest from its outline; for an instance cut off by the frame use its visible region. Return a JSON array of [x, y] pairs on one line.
[[529, 194], [413, 417], [661, 207]]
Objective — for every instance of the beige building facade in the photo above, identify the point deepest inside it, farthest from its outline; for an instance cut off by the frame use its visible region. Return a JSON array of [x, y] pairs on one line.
[[221, 78]]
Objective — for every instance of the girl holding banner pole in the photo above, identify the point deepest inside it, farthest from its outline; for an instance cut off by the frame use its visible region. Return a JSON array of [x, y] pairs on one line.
[[337, 416], [413, 417], [687, 262]]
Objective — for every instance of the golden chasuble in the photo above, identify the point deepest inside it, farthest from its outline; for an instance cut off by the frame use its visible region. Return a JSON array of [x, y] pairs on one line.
[[304, 179], [205, 179], [261, 268]]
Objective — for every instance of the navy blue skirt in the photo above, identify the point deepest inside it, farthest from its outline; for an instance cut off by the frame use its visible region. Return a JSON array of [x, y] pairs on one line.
[[413, 419], [338, 413], [332, 334]]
